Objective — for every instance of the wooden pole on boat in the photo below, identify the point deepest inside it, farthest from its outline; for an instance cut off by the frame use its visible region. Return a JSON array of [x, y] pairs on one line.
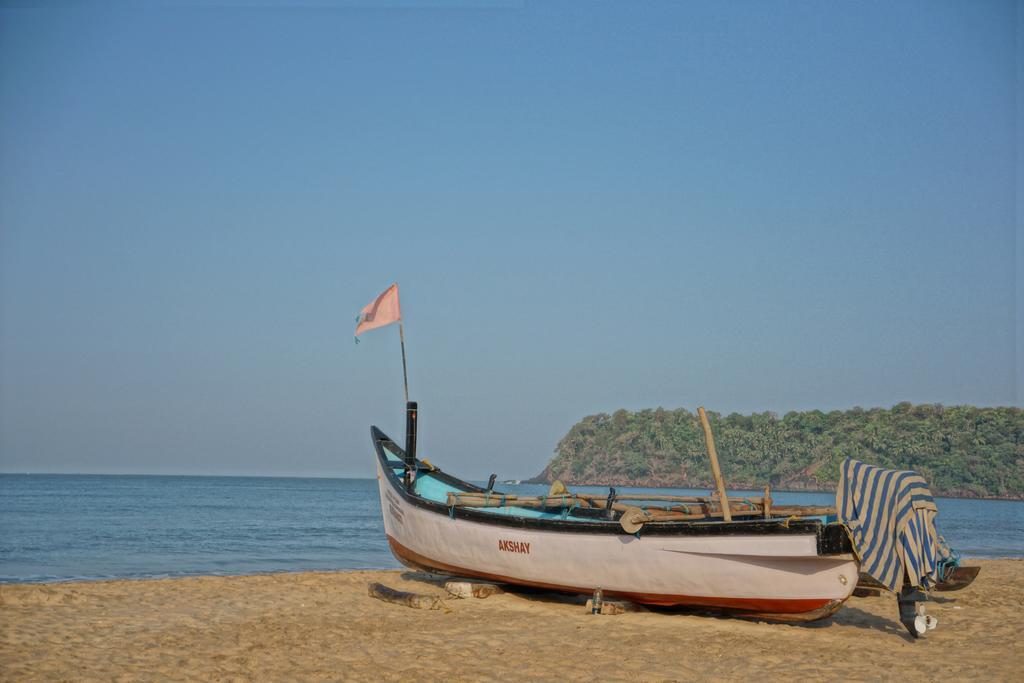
[[713, 456], [748, 507], [411, 410], [600, 500], [405, 375]]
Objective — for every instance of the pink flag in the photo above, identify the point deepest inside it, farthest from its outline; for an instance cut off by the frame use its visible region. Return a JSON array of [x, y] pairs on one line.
[[382, 311]]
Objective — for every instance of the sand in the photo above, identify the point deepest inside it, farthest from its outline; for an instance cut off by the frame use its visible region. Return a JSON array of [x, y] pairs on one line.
[[324, 626]]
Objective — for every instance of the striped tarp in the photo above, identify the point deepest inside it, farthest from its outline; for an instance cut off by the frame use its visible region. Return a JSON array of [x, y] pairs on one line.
[[891, 517]]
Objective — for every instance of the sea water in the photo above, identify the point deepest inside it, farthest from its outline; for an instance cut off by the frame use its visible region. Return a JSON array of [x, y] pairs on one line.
[[66, 527]]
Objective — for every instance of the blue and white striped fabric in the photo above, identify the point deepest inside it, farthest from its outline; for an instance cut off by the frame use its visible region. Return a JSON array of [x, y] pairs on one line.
[[891, 518]]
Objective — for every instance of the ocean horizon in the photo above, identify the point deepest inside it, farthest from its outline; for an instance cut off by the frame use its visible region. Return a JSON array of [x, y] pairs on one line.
[[481, 482], [72, 527]]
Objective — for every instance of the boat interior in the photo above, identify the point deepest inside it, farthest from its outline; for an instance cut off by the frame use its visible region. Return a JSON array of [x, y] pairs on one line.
[[433, 485]]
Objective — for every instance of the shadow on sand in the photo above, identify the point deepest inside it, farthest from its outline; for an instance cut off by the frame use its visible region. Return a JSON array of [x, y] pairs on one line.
[[848, 615]]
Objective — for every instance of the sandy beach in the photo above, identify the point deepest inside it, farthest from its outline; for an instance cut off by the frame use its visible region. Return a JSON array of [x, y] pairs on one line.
[[324, 626]]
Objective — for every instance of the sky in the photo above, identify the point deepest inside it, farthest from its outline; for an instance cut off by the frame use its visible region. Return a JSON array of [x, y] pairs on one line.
[[751, 206]]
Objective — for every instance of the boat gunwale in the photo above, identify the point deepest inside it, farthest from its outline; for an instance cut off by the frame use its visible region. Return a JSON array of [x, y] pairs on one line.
[[831, 539]]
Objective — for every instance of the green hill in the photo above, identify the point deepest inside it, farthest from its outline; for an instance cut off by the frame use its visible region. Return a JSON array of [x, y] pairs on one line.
[[960, 450]]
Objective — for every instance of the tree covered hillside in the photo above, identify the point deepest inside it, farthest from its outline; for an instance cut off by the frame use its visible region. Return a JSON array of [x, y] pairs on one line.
[[960, 450]]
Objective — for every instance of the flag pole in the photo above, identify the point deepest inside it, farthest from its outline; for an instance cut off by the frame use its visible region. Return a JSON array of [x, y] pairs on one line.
[[405, 375], [410, 419]]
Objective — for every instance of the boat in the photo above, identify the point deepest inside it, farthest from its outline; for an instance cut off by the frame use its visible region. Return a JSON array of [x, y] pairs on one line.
[[745, 558]]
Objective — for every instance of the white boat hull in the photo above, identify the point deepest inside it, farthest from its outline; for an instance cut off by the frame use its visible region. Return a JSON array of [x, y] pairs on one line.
[[770, 574]]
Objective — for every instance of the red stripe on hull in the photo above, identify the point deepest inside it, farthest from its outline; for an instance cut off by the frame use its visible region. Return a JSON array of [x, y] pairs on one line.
[[754, 606]]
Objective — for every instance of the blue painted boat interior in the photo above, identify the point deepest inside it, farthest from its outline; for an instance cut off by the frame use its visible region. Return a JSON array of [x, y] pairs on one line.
[[432, 489], [437, 491]]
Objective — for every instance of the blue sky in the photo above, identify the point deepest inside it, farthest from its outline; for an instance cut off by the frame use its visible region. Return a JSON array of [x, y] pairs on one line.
[[749, 206]]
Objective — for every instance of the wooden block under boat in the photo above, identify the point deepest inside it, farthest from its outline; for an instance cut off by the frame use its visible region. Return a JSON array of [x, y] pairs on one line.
[[612, 607], [472, 589]]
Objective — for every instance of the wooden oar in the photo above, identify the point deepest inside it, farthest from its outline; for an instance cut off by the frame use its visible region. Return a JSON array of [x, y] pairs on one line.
[[802, 510], [495, 501], [595, 498], [681, 499], [633, 519], [708, 509], [737, 507]]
